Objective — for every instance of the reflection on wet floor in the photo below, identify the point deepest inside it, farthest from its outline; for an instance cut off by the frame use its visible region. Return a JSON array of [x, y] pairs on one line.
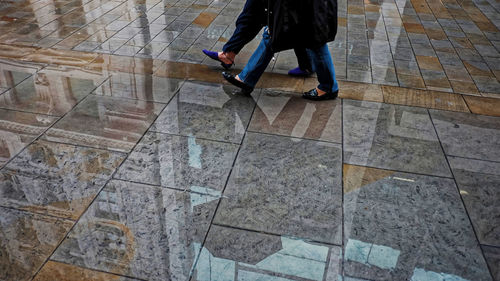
[[124, 154]]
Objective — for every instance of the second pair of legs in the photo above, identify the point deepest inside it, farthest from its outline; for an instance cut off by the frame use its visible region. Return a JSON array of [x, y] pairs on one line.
[[320, 61]]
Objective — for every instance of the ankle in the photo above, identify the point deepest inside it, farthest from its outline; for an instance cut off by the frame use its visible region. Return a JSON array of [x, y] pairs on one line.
[[223, 57], [320, 92]]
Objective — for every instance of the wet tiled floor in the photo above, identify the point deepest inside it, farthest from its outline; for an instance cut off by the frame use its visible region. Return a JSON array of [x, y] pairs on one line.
[[125, 156]]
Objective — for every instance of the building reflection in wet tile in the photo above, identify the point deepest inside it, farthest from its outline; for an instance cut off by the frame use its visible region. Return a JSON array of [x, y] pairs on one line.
[[233, 254], [285, 186], [468, 135], [47, 94], [401, 226], [18, 129], [26, 241], [106, 122], [56, 179], [208, 111], [289, 115], [392, 137], [478, 182], [140, 86], [140, 231], [179, 162]]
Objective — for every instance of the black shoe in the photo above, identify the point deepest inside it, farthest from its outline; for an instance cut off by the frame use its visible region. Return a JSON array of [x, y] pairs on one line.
[[313, 95], [245, 89]]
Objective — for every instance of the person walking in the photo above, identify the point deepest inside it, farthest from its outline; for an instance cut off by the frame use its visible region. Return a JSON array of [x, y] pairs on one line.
[[308, 24], [249, 23]]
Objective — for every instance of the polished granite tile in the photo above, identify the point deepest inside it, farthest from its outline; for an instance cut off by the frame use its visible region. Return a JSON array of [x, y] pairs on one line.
[[47, 94], [26, 241], [401, 226], [392, 137], [145, 87], [427, 99], [492, 255], [209, 111], [140, 231], [478, 182], [232, 254], [105, 122], [468, 135], [59, 271], [19, 129], [285, 186], [290, 115], [483, 105], [56, 179], [179, 162]]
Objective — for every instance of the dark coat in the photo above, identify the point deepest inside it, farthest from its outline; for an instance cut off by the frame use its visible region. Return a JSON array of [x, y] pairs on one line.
[[302, 23]]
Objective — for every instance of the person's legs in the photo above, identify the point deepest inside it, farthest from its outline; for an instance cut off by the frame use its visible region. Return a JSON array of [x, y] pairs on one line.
[[258, 62], [305, 68], [247, 27], [323, 66]]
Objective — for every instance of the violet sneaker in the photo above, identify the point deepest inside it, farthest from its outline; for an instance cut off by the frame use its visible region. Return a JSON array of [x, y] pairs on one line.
[[299, 72], [215, 56]]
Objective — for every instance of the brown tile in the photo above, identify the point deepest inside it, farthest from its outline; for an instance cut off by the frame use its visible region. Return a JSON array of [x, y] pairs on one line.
[[414, 28], [372, 8], [18, 129], [477, 69], [61, 57], [487, 26], [190, 71], [411, 81], [427, 99], [436, 34], [464, 87], [54, 270], [281, 82], [104, 63], [356, 177], [430, 63], [483, 105], [27, 241], [463, 42], [342, 21], [360, 91], [291, 115], [205, 19], [105, 122], [15, 52], [355, 10]]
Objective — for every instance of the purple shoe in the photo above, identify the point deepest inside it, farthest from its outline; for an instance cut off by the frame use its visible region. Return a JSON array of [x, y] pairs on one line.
[[215, 56], [299, 72]]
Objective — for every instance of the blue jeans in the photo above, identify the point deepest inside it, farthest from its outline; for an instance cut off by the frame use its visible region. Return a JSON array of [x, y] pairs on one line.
[[258, 62], [320, 58], [322, 64]]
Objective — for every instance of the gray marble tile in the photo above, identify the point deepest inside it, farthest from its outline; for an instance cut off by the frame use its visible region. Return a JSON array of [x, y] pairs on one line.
[[179, 162], [392, 137], [140, 86], [290, 115], [468, 135], [478, 182], [105, 122], [56, 179], [401, 226], [26, 241], [232, 254], [285, 186], [210, 111], [492, 255], [140, 231]]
